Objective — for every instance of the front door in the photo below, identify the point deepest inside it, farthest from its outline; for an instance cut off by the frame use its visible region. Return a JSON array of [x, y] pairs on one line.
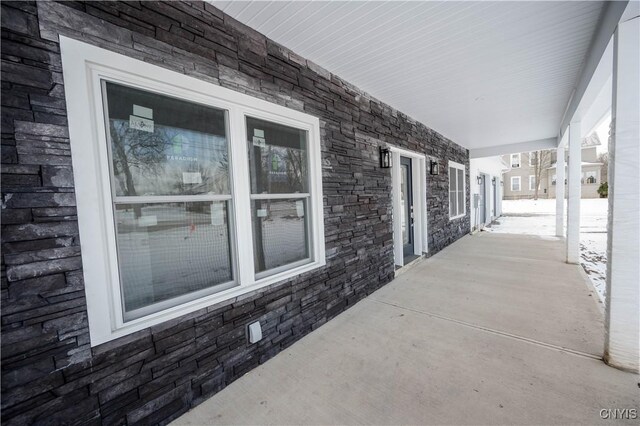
[[406, 200]]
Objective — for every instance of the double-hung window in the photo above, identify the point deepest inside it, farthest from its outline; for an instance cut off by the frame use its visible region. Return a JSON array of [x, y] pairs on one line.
[[188, 194], [532, 183], [515, 183], [457, 190], [279, 195], [515, 161]]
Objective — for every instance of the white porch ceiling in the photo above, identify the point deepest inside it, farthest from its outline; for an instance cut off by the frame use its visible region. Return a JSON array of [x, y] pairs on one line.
[[481, 73]]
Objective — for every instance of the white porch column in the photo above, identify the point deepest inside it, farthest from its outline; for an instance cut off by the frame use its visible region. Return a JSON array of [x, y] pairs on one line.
[[623, 273], [574, 189], [560, 191]]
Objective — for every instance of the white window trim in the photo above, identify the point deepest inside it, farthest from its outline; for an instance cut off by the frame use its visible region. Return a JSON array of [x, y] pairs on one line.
[[83, 67], [519, 161], [464, 189], [514, 178], [532, 184]]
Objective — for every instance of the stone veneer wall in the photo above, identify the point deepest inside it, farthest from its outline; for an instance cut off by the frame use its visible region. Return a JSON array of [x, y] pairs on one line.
[[49, 371]]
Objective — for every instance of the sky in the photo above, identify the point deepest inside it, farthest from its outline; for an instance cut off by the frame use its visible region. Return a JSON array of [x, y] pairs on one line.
[[603, 134]]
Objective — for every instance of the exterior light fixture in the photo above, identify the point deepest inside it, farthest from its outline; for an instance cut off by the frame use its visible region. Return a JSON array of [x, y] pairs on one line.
[[385, 158], [433, 167], [479, 179], [493, 180]]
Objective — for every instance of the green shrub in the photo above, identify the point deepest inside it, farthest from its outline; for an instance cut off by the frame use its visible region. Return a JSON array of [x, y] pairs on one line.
[[603, 190]]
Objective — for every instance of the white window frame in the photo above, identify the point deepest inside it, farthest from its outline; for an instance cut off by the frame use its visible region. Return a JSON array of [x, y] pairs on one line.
[[531, 157], [532, 182], [84, 66], [513, 179], [458, 166], [519, 161]]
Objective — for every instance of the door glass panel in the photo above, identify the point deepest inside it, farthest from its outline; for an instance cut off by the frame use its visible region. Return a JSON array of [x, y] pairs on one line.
[[167, 250], [280, 232], [277, 158], [404, 201], [160, 145]]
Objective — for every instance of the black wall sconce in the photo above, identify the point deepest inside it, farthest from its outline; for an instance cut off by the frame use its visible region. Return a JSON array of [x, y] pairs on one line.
[[434, 169], [493, 180], [385, 158], [479, 179]]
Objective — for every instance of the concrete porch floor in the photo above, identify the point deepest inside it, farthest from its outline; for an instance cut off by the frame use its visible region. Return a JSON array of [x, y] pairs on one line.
[[494, 329]]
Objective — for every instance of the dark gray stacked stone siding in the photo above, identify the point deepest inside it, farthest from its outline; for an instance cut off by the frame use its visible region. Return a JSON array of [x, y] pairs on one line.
[[50, 373]]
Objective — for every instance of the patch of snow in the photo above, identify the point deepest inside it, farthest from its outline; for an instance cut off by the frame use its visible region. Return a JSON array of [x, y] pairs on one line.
[[537, 217]]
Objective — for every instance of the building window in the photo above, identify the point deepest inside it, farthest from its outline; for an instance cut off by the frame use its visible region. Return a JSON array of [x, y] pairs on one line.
[[591, 177], [279, 192], [553, 179], [532, 183], [515, 161], [169, 171], [533, 158], [457, 190], [515, 183], [171, 195]]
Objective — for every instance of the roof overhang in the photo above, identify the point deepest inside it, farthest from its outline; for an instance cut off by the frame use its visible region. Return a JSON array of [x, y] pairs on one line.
[[484, 74]]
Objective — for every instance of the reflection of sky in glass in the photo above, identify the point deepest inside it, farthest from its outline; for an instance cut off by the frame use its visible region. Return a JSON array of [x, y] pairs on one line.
[[169, 161]]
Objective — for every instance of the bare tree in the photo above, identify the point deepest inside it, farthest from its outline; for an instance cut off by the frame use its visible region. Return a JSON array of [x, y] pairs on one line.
[[133, 149], [603, 158], [541, 161]]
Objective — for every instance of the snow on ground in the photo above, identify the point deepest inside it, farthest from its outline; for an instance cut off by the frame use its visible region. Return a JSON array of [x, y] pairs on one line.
[[537, 217]]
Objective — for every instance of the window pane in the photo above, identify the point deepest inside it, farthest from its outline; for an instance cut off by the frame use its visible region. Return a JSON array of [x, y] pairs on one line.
[[171, 249], [452, 204], [452, 179], [460, 202], [460, 180], [277, 158], [165, 146], [279, 232]]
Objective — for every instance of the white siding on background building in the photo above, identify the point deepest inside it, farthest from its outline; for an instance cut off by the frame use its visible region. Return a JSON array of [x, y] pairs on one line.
[[492, 167]]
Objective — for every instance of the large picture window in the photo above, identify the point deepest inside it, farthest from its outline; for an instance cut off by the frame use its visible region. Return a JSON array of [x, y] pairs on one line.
[[457, 190], [188, 194], [170, 190]]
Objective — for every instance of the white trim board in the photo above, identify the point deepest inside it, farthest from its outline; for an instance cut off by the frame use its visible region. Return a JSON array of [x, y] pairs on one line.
[[419, 177]]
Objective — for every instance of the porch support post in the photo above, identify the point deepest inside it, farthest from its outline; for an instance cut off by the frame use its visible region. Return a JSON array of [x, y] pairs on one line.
[[574, 188], [560, 191], [623, 271]]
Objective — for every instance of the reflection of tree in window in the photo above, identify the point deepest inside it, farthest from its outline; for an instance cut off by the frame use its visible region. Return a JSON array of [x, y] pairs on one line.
[[279, 166], [143, 151], [185, 154]]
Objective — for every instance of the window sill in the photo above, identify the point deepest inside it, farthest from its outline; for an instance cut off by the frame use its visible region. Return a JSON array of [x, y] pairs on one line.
[[209, 303], [460, 216]]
